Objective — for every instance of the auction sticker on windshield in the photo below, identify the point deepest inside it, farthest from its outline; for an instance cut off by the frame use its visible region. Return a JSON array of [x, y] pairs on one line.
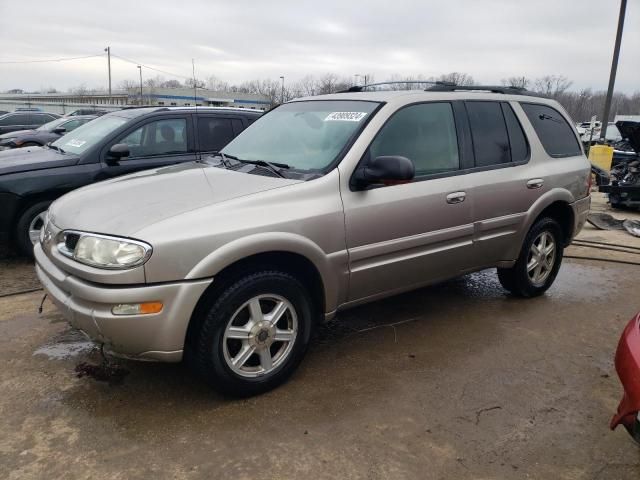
[[76, 143], [345, 116]]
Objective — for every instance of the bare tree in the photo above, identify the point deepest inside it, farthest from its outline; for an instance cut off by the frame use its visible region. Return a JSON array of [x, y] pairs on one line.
[[171, 84], [520, 82], [552, 85], [457, 78], [214, 83], [197, 83]]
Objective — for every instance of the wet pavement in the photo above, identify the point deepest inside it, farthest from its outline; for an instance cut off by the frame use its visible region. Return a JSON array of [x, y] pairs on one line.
[[456, 381]]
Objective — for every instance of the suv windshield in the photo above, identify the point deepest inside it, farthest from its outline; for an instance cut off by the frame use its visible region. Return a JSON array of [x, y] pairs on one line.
[[305, 135], [89, 134]]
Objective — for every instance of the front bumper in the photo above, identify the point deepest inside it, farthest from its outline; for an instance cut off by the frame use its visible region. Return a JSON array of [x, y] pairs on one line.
[[628, 368], [87, 306]]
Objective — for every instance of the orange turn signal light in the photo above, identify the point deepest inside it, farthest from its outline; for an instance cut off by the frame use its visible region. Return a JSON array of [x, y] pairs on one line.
[[137, 308]]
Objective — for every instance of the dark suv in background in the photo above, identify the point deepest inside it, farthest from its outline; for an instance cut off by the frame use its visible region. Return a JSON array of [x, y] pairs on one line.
[[114, 144], [20, 120], [49, 132]]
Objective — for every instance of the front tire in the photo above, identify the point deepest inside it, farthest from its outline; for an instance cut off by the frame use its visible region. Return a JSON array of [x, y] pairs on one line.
[[538, 263], [28, 228], [255, 333]]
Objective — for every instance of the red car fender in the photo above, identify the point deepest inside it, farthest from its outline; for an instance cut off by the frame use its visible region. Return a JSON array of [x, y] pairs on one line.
[[628, 368]]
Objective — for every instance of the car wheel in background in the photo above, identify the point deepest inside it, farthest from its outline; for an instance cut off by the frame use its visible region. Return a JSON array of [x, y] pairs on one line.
[[28, 227], [537, 266], [254, 334]]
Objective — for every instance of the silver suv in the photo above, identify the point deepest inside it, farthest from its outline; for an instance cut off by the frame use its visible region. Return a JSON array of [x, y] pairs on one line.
[[322, 204]]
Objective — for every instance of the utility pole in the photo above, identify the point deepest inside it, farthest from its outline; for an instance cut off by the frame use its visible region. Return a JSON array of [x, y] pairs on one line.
[[140, 69], [614, 69], [108, 50], [282, 94]]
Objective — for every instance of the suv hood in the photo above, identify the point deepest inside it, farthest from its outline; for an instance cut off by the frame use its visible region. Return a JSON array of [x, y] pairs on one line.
[[33, 158], [631, 132], [125, 205]]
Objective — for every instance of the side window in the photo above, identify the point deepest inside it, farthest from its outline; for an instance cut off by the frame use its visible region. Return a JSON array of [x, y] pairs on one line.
[[41, 119], [161, 137], [489, 133], [20, 119], [68, 126], [425, 134], [214, 133], [237, 126], [554, 132], [517, 140]]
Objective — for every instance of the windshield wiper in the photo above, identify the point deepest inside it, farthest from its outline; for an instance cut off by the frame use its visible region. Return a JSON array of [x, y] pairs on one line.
[[273, 166], [56, 148], [224, 158]]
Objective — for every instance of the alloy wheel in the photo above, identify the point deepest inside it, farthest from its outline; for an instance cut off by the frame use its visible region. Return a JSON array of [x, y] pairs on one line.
[[541, 258], [260, 335]]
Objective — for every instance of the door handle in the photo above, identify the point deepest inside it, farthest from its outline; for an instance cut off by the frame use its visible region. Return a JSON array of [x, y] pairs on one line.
[[456, 197], [535, 183]]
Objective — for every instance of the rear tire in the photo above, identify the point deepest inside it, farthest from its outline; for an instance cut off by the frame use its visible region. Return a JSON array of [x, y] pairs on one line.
[[538, 263], [28, 227], [254, 334]]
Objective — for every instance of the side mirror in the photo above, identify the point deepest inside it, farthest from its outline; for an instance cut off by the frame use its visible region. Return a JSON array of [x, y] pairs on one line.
[[60, 130], [116, 152], [387, 170]]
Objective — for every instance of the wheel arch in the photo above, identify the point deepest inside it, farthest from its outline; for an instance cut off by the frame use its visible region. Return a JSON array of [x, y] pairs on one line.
[[230, 268]]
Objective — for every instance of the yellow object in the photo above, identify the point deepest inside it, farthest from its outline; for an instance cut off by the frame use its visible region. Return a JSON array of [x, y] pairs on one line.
[[601, 155]]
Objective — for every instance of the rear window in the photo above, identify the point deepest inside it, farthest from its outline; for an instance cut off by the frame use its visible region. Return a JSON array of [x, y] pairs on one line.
[[555, 134]]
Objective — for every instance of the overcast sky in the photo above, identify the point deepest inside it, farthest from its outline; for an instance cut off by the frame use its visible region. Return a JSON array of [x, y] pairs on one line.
[[238, 40]]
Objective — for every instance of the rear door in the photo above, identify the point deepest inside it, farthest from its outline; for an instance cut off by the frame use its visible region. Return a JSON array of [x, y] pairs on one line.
[[505, 183], [154, 142], [213, 132]]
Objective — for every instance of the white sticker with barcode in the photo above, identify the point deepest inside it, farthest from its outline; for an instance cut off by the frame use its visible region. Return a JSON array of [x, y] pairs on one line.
[[345, 116], [75, 143]]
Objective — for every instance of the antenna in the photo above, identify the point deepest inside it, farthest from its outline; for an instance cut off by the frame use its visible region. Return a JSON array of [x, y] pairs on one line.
[[195, 84]]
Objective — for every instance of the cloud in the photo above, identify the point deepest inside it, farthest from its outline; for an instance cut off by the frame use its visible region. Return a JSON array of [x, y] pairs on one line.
[[248, 39]]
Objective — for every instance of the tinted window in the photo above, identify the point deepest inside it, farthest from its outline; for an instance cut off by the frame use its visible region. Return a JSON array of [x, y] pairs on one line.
[[237, 126], [425, 134], [157, 138], [40, 119], [517, 140], [489, 133], [554, 132], [20, 119], [214, 133]]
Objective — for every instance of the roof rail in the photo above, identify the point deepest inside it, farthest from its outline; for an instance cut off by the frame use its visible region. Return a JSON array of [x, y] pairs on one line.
[[360, 88], [507, 90]]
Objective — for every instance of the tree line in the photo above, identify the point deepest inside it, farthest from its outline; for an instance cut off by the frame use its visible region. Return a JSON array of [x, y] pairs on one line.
[[581, 104]]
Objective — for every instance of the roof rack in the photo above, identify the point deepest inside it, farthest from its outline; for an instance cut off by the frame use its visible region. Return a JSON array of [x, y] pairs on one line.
[[507, 90], [450, 87], [360, 88]]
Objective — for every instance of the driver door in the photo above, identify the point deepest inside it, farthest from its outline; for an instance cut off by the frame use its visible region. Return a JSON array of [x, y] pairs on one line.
[[155, 143], [403, 236]]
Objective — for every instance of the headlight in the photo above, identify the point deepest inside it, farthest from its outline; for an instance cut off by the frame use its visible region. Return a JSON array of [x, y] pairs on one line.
[[103, 251]]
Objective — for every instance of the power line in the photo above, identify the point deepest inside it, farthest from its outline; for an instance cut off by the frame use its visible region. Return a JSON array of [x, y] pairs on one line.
[[50, 60], [150, 68]]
